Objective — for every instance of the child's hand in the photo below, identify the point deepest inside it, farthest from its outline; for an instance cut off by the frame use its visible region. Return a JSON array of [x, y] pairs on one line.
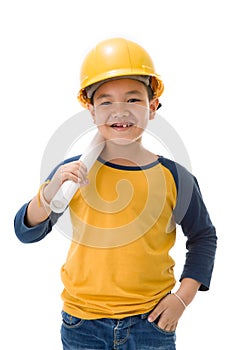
[[75, 171], [168, 311]]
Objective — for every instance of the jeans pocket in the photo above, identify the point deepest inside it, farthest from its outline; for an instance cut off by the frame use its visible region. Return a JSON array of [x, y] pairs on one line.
[[163, 331], [70, 321]]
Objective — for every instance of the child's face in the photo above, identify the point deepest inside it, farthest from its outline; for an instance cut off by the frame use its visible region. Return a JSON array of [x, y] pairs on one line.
[[121, 109]]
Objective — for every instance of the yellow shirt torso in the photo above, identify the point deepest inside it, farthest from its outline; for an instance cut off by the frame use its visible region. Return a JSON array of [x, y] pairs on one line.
[[118, 264]]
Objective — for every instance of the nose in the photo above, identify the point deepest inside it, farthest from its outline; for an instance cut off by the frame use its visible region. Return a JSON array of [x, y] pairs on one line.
[[120, 110]]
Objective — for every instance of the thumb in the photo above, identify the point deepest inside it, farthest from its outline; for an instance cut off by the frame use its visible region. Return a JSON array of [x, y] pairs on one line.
[[158, 310]]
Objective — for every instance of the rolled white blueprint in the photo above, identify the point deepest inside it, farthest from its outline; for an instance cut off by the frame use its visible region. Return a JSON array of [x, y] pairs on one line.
[[66, 192]]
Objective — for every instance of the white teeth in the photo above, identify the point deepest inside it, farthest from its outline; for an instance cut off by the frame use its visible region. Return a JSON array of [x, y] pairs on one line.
[[121, 125]]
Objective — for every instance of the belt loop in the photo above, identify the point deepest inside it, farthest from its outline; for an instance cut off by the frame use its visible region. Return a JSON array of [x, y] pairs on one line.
[[143, 316]]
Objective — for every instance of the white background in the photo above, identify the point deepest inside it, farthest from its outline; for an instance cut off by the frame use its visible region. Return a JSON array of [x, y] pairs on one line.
[[42, 46]]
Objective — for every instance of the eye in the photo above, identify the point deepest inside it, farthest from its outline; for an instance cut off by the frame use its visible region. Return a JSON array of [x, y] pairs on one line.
[[105, 103], [133, 100]]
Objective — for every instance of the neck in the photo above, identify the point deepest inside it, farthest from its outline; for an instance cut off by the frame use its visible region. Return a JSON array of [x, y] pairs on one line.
[[130, 154]]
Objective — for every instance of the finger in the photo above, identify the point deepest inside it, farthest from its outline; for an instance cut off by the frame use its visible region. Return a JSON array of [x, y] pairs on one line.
[[166, 322], [83, 167], [158, 310], [173, 327], [68, 174], [85, 183], [82, 176], [155, 314], [82, 182], [170, 327], [79, 165], [73, 172], [82, 170]]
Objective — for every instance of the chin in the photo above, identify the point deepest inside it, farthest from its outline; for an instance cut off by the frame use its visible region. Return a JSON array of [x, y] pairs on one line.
[[122, 141]]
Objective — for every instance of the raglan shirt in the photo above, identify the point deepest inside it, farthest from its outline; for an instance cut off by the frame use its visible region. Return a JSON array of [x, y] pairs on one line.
[[124, 225]]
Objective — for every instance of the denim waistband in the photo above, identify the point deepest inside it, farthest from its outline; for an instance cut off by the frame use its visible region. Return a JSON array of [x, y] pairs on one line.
[[130, 320]]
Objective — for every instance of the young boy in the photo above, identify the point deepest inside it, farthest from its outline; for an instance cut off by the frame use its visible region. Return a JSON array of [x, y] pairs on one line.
[[118, 277]]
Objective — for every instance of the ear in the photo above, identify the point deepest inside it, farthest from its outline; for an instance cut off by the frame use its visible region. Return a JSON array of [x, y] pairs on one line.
[[153, 107], [91, 109]]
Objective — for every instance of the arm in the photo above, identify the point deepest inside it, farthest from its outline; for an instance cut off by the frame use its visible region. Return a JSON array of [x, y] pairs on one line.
[[201, 240], [35, 219], [190, 212], [31, 234]]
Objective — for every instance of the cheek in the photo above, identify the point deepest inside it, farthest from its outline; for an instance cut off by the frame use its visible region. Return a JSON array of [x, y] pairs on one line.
[[100, 120], [103, 130], [143, 121]]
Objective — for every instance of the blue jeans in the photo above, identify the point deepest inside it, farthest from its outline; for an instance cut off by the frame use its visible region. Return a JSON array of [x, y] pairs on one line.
[[130, 333]]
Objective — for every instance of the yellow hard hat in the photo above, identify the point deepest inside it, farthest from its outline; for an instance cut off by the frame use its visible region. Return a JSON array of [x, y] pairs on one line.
[[117, 57]]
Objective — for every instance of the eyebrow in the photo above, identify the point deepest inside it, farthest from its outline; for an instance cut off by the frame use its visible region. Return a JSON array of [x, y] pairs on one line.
[[134, 92], [103, 96], [131, 92]]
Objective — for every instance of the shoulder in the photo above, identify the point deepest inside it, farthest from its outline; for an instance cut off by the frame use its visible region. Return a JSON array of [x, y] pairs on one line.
[[181, 175], [188, 191]]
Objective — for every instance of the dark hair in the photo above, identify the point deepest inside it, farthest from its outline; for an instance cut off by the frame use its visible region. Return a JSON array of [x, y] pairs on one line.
[[150, 93], [149, 90]]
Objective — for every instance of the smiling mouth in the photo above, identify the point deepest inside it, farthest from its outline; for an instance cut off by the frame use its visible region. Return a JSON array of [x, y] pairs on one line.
[[121, 125]]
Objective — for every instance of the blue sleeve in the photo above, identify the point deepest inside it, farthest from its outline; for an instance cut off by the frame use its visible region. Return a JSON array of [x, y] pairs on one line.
[[27, 234], [191, 213]]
